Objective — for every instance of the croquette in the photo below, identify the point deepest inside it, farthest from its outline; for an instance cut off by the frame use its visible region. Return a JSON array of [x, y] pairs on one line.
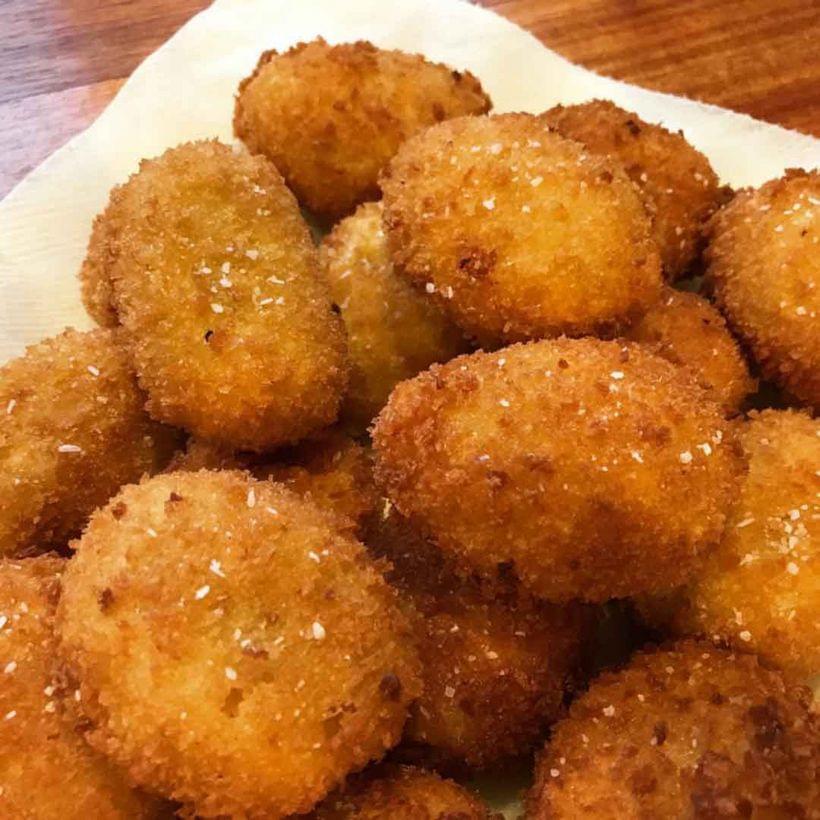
[[330, 469], [227, 318], [518, 233], [763, 264], [688, 731], [95, 271], [688, 330], [674, 180], [393, 332], [232, 647], [401, 793], [496, 664], [564, 462], [46, 768], [760, 590], [331, 116], [72, 431]]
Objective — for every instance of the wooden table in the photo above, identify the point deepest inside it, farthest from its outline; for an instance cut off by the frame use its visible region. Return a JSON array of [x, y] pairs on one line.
[[61, 61]]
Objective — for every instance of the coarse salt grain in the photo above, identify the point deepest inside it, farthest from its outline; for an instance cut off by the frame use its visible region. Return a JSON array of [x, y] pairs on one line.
[[792, 568], [216, 568], [489, 204], [10, 667], [202, 592], [230, 673], [745, 635], [69, 448], [251, 499], [318, 631], [609, 711], [217, 308], [685, 457], [94, 371]]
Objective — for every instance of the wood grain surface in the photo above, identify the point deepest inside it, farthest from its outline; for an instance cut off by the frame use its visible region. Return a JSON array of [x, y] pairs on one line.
[[61, 61]]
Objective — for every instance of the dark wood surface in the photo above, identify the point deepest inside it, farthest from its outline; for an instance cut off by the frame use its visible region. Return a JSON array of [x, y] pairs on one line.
[[61, 61]]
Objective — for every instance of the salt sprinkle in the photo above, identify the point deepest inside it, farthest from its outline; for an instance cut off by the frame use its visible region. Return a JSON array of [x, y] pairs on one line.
[[685, 457], [616, 374], [10, 406], [489, 204], [430, 287], [10, 667], [216, 568], [230, 673], [69, 448], [318, 631], [251, 500], [10, 715], [745, 635], [637, 456], [504, 403], [94, 371], [314, 557], [202, 592], [449, 692], [217, 308], [554, 772], [792, 568], [609, 711], [252, 254], [536, 181], [744, 523]]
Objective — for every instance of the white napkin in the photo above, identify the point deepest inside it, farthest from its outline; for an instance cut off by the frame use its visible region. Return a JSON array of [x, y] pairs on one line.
[[185, 91]]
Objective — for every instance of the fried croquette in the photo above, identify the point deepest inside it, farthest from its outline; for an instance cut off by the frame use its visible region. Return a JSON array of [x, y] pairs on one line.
[[690, 731], [95, 271], [518, 233], [331, 116], [401, 793], [46, 768], [675, 181], [564, 461], [687, 330], [234, 649], [760, 590], [763, 263], [496, 664], [393, 332], [330, 469], [217, 286], [72, 431]]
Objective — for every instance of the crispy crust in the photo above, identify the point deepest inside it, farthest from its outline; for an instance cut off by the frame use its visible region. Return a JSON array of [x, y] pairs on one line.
[[687, 330], [393, 332], [217, 286], [497, 664], [245, 659], [330, 469], [674, 180], [331, 117], [691, 731], [46, 769], [401, 793], [518, 232], [72, 431], [763, 265], [95, 272], [760, 590], [568, 459]]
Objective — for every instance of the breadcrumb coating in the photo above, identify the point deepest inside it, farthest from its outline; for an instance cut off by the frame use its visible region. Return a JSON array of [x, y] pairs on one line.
[[401, 793], [675, 181], [72, 431], [690, 731], [685, 329], [95, 271], [564, 461], [518, 233], [217, 286], [330, 469], [331, 116], [234, 649], [496, 664], [46, 768], [393, 332], [760, 590], [763, 263]]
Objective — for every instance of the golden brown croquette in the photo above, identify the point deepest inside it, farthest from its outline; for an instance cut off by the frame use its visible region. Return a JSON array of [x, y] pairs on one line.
[[689, 731], [517, 232], [331, 116], [393, 332], [686, 329], [401, 793], [675, 181], [217, 286], [46, 769], [760, 589], [72, 430], [496, 663], [764, 266], [564, 461], [234, 649]]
